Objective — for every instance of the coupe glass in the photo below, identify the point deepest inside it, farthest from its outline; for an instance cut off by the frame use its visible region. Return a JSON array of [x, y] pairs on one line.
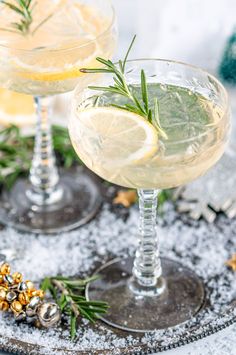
[[51, 201], [149, 292]]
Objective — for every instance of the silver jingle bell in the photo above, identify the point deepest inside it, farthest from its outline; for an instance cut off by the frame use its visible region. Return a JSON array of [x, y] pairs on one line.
[[11, 296], [20, 316], [30, 319], [32, 307], [8, 279], [48, 314], [13, 287], [22, 287]]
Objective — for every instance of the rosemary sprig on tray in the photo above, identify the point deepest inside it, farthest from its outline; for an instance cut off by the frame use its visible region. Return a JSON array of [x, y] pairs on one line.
[[16, 152], [121, 87], [69, 295]]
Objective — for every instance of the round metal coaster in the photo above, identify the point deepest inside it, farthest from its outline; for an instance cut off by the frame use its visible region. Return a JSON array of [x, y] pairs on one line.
[[80, 202], [181, 300]]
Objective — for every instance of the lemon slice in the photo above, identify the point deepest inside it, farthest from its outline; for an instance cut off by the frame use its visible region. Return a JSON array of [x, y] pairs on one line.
[[17, 109], [122, 135], [61, 65]]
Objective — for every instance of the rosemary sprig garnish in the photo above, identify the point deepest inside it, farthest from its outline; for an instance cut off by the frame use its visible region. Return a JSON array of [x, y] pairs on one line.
[[16, 152], [69, 295], [121, 87], [24, 9]]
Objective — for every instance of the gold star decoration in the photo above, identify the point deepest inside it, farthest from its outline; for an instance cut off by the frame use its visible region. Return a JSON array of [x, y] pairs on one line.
[[125, 198], [232, 262]]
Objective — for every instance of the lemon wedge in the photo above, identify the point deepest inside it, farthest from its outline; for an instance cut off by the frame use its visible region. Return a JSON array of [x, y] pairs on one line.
[[17, 109], [121, 135]]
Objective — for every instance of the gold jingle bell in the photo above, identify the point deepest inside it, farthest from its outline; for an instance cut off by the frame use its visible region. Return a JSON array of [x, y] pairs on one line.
[[5, 269], [17, 277], [16, 306], [4, 306], [24, 298], [38, 293], [30, 285], [3, 294]]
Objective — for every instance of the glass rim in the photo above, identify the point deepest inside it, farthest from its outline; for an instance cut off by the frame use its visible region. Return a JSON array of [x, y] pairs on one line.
[[111, 23]]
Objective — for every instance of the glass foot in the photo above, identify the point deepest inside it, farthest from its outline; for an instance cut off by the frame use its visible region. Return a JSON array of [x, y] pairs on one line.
[[81, 199], [182, 298]]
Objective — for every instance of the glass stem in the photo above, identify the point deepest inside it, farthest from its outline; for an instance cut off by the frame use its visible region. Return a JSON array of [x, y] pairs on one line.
[[147, 264], [44, 175]]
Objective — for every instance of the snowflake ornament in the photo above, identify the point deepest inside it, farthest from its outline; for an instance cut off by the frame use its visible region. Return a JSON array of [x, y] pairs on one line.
[[215, 192]]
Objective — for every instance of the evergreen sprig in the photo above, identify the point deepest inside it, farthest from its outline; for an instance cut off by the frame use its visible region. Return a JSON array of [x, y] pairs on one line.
[[16, 152], [69, 295], [121, 87]]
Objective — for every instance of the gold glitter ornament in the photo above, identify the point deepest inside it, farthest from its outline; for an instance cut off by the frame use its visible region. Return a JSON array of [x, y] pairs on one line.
[[5, 269]]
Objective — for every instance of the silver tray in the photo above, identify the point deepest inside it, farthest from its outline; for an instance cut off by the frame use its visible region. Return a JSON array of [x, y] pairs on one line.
[[198, 245]]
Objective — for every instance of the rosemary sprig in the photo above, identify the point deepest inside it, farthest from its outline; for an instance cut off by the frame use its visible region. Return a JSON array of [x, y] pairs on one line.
[[16, 152], [24, 9], [69, 295], [122, 88]]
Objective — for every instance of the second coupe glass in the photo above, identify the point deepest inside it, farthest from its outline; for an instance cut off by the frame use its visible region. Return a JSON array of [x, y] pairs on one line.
[[43, 63]]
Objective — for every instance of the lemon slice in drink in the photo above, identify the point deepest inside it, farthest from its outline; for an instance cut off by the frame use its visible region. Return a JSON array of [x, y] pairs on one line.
[[59, 66], [123, 136], [17, 109]]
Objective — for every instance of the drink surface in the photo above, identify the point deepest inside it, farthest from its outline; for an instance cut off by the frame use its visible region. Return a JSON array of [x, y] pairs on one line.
[[64, 37], [121, 153]]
